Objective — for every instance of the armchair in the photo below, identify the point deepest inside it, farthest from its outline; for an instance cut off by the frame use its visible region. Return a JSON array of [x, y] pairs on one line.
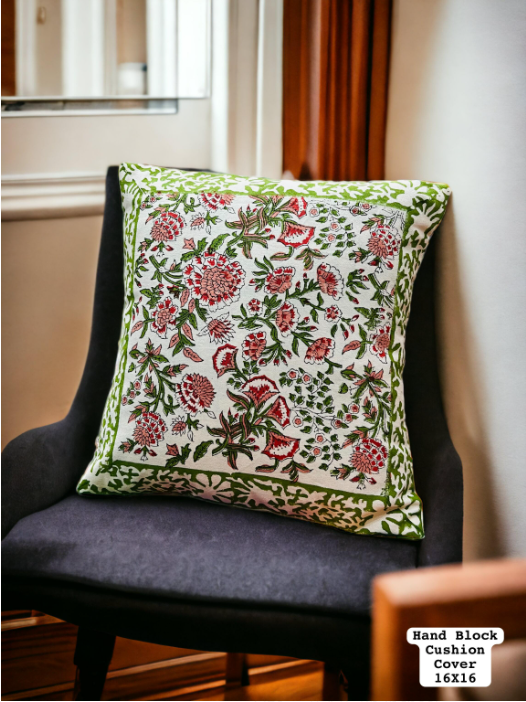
[[198, 575]]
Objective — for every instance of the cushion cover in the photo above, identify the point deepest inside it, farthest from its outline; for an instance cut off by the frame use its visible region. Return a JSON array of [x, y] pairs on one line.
[[262, 347]]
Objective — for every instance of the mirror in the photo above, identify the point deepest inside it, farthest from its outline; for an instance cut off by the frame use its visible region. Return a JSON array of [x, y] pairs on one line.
[[95, 53]]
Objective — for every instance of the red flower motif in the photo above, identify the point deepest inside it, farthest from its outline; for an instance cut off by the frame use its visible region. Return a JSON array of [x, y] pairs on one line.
[[333, 313], [382, 242], [253, 345], [179, 425], [330, 280], [368, 457], [172, 450], [219, 329], [280, 411], [259, 389], [167, 226], [380, 343], [255, 305], [195, 392], [287, 318], [149, 429], [298, 205], [280, 280], [320, 350], [198, 222], [216, 201], [280, 446], [189, 244], [296, 235], [214, 280], [224, 359], [164, 316]]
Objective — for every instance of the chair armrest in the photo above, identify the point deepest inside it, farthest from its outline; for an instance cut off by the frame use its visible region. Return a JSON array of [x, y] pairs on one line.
[[40, 467]]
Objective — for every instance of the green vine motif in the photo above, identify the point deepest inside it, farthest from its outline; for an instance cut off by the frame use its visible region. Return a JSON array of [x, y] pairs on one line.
[[259, 412], [256, 224], [314, 414], [334, 232], [160, 386], [292, 469], [275, 352], [271, 304], [371, 391]]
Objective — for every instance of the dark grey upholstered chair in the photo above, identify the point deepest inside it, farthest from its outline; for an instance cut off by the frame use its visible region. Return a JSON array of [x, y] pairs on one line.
[[193, 574]]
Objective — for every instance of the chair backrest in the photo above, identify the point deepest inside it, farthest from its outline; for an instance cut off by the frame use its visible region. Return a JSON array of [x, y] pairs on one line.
[[438, 473]]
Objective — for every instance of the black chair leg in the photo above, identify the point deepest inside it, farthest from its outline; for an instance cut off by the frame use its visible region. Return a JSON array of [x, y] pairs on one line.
[[331, 682], [92, 658], [357, 682]]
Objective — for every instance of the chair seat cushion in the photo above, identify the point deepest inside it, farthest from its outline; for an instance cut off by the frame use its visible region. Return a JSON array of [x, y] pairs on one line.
[[192, 550]]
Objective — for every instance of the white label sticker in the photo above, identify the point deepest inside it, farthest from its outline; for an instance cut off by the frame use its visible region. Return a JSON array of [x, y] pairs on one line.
[[455, 657]]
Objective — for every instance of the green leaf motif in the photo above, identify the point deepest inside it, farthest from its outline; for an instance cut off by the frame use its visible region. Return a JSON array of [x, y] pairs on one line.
[[201, 450]]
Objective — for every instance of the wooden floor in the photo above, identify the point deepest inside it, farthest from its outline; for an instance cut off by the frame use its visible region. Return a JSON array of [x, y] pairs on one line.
[[37, 664], [292, 686]]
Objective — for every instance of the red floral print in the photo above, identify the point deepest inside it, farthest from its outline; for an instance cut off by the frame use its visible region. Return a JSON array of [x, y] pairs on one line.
[[333, 313], [172, 450], [369, 456], [297, 421], [296, 235], [280, 447], [287, 318], [280, 280], [255, 305], [380, 343], [198, 222], [164, 317], [297, 205], [253, 345], [216, 201], [383, 243], [167, 226], [330, 280], [195, 392], [179, 425], [259, 389], [219, 330], [320, 350], [214, 280], [280, 411], [149, 429], [224, 359]]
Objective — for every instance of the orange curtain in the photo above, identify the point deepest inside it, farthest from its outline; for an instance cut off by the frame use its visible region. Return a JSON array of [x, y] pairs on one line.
[[335, 73]]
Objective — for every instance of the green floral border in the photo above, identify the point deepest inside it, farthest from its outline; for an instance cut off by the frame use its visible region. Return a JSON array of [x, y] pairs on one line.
[[397, 512]]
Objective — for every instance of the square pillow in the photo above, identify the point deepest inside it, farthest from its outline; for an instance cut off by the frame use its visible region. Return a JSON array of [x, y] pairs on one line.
[[262, 347]]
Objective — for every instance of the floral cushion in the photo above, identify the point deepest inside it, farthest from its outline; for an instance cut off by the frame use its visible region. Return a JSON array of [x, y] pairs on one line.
[[262, 348]]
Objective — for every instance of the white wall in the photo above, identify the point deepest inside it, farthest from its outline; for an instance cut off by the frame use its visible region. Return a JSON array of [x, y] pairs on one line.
[[457, 114], [91, 144], [49, 265]]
